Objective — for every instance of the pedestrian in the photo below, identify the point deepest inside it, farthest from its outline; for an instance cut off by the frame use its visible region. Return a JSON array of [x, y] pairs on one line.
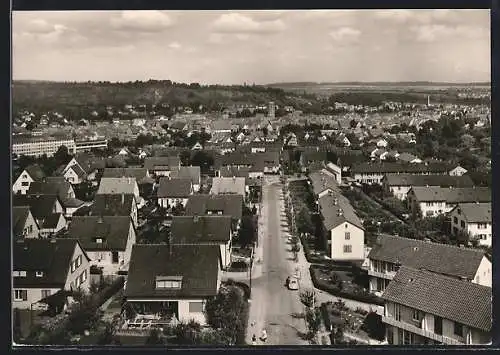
[[254, 340]]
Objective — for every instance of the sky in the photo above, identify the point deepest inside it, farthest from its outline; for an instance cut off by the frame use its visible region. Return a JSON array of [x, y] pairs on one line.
[[261, 47]]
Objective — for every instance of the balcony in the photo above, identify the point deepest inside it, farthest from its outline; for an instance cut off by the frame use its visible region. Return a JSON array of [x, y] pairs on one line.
[[422, 332], [389, 275]]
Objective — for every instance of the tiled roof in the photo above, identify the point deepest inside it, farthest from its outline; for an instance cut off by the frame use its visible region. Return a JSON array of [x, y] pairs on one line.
[[137, 173], [113, 230], [41, 206], [200, 229], [117, 185], [51, 221], [198, 265], [51, 185], [428, 180], [321, 181], [51, 256], [35, 172], [452, 195], [229, 205], [476, 212], [19, 216], [173, 187], [460, 301], [386, 168], [112, 205], [187, 172], [439, 258], [161, 163], [228, 185], [336, 209], [78, 170]]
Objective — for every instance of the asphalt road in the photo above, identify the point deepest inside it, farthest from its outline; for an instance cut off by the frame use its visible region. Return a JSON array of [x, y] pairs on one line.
[[277, 306]]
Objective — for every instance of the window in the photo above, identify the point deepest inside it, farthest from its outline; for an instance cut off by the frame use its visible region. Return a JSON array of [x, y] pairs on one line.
[[25, 183], [168, 284], [348, 248], [397, 312], [428, 204], [429, 213], [20, 295], [417, 315], [114, 256], [347, 235], [45, 293], [481, 226], [195, 307], [462, 224], [19, 273], [407, 338], [458, 329], [346, 225], [455, 220], [98, 240], [39, 274], [78, 261]]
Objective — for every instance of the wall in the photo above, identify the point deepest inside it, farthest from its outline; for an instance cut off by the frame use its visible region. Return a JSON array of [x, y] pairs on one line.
[[186, 316], [165, 202], [18, 184], [399, 191], [72, 276], [369, 178], [484, 274], [34, 295], [357, 239], [30, 221], [72, 177]]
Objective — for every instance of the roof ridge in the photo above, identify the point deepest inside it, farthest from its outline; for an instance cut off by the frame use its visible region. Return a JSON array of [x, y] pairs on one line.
[[435, 243]]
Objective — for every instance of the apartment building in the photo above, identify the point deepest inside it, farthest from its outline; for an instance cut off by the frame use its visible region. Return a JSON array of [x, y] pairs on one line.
[[472, 221], [373, 173], [425, 308], [89, 144], [38, 146]]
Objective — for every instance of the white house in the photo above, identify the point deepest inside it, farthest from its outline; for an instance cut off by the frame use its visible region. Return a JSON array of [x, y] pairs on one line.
[[107, 240], [23, 223], [189, 172], [118, 186], [174, 191], [345, 235], [457, 171], [43, 267], [472, 221], [53, 224], [173, 282], [24, 180]]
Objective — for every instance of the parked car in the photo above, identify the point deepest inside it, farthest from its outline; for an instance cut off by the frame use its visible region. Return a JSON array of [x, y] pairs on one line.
[[292, 283]]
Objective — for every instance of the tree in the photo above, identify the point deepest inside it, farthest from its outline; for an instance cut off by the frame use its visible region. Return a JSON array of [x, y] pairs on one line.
[[247, 234], [304, 221], [313, 320], [203, 160], [154, 338], [62, 156], [308, 298], [185, 157], [353, 123]]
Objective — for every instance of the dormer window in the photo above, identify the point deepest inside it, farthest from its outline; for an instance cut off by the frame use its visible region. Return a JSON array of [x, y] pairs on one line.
[[19, 273], [39, 274], [98, 240], [168, 282]]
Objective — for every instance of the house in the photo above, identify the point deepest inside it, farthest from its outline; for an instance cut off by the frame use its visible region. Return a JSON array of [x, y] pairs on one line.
[[227, 205], [400, 184], [44, 267], [336, 171], [228, 185], [204, 230], [41, 206], [140, 174], [345, 235], [23, 223], [118, 186], [372, 173], [197, 146], [472, 221], [390, 251], [189, 172], [220, 126], [173, 281], [433, 201], [423, 307], [178, 126], [90, 165], [409, 158], [58, 186], [107, 240], [75, 174], [115, 205], [308, 157], [161, 166], [174, 191], [52, 225], [291, 140], [24, 180], [322, 183], [457, 171]]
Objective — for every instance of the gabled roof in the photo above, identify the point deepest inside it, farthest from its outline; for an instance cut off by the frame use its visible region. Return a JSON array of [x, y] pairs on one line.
[[19, 216], [197, 265], [161, 163], [428, 180], [173, 187], [452, 195], [51, 185], [187, 172], [439, 258], [321, 181], [51, 221], [460, 301], [231, 205], [113, 230], [475, 212], [230, 171], [138, 173], [41, 206], [90, 163], [336, 209], [35, 172], [78, 170], [385, 168], [112, 205], [117, 185], [200, 229], [51, 256], [407, 157], [228, 185]]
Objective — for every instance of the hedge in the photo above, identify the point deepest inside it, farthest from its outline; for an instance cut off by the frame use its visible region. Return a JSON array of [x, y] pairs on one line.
[[331, 289], [109, 291]]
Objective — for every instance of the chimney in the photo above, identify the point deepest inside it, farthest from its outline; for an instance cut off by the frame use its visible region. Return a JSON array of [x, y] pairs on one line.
[[99, 220], [335, 201], [234, 179]]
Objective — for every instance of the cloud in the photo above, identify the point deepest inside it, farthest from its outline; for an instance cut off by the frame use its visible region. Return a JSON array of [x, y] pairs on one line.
[[39, 26], [174, 45], [345, 34], [142, 21], [432, 33], [238, 23]]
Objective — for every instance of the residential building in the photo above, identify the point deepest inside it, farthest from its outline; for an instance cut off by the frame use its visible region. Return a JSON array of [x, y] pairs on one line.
[[88, 164], [115, 205], [336, 171], [227, 205], [75, 174], [172, 192], [345, 235], [24, 180], [57, 186], [372, 173], [205, 230], [23, 223], [52, 225], [107, 240], [409, 158], [38, 146], [161, 166], [173, 281], [118, 186], [390, 252], [41, 206], [425, 308], [400, 184], [229, 185], [457, 171], [434, 201], [323, 184], [189, 172], [90, 144], [472, 221], [44, 267]]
